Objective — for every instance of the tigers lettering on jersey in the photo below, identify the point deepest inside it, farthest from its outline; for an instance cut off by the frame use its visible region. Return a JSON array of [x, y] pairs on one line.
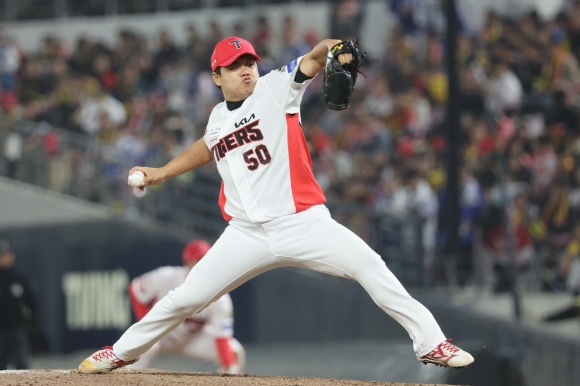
[[247, 134]]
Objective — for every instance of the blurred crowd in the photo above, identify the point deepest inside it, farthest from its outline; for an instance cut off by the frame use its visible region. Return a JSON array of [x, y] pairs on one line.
[[51, 9], [519, 117]]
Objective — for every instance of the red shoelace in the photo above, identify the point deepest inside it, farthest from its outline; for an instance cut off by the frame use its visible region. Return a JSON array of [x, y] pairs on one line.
[[108, 353], [448, 346], [444, 346], [105, 353]]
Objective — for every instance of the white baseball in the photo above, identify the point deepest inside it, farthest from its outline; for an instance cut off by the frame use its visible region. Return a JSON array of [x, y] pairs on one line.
[[136, 179]]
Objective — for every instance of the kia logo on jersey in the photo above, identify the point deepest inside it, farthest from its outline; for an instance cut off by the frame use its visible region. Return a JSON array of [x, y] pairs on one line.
[[245, 120]]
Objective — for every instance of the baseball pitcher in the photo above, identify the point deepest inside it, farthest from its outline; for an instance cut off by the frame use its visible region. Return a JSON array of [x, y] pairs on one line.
[[273, 204]]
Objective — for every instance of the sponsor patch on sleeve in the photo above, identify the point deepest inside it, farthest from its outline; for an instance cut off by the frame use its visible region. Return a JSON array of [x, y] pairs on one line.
[[292, 65]]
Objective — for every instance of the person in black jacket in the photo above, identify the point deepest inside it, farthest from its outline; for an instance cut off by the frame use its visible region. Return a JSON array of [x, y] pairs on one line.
[[17, 309]]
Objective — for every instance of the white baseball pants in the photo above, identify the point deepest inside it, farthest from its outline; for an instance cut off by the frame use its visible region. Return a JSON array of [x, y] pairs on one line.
[[310, 239]]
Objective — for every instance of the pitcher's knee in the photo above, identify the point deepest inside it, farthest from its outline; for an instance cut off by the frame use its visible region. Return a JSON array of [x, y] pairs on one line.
[[184, 301]]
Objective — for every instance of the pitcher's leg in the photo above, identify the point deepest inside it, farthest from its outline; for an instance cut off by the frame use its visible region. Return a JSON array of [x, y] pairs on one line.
[[331, 248], [359, 261], [237, 256]]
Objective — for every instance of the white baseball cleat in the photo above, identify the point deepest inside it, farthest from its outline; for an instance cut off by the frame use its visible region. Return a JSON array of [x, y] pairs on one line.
[[448, 355], [102, 361]]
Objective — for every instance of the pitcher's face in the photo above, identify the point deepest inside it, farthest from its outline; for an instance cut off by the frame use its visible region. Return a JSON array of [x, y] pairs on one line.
[[238, 80]]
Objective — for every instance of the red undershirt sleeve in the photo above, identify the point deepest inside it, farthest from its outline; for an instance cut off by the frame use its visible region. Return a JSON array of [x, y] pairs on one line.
[[225, 352], [139, 309]]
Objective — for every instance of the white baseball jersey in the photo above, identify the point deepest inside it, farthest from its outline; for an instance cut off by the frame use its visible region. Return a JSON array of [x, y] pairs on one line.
[[216, 320], [244, 141]]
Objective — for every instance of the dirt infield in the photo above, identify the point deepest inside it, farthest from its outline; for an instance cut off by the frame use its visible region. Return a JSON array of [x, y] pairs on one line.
[[161, 378]]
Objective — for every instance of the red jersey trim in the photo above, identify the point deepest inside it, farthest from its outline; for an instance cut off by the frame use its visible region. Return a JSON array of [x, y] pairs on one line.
[[222, 203], [139, 309], [305, 190]]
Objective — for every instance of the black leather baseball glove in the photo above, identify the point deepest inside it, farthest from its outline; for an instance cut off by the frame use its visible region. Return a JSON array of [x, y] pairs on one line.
[[339, 79]]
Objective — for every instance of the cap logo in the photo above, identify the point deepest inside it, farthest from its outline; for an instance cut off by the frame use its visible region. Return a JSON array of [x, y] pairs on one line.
[[237, 43]]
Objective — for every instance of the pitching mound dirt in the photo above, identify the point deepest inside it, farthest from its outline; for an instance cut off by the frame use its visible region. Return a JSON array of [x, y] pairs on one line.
[[160, 378]]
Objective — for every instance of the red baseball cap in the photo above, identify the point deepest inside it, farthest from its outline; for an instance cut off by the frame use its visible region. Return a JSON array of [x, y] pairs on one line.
[[194, 251], [228, 50]]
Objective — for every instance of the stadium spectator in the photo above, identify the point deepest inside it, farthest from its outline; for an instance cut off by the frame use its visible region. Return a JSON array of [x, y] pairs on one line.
[[10, 61]]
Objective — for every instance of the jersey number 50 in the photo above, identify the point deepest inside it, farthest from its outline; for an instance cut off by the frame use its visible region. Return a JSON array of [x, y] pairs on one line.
[[256, 157]]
